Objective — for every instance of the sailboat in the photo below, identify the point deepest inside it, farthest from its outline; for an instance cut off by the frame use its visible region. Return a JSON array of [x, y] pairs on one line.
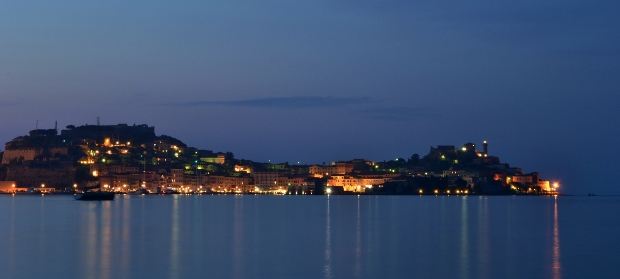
[[142, 189]]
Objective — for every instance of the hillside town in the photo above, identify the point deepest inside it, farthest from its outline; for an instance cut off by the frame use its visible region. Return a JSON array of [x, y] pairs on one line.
[[131, 159]]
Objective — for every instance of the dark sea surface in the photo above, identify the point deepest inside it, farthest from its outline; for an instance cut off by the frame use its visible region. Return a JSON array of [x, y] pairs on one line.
[[310, 237]]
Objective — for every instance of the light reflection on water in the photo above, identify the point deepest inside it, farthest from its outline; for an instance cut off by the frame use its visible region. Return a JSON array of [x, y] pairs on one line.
[[465, 254], [12, 241], [483, 237], [126, 217], [88, 238], [106, 241], [174, 243], [238, 232], [309, 237], [358, 242], [557, 268], [327, 268]]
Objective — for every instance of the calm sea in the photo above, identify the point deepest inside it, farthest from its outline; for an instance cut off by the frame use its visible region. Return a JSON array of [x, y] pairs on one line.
[[310, 237]]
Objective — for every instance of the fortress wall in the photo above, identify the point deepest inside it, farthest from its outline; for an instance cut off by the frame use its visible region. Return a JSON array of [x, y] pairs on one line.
[[34, 177], [26, 153], [29, 153], [61, 151]]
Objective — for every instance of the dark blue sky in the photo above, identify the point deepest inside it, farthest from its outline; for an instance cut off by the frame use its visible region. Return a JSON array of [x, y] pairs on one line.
[[318, 81]]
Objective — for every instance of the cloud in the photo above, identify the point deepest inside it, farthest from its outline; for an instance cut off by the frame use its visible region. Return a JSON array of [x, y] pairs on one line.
[[284, 102], [399, 113]]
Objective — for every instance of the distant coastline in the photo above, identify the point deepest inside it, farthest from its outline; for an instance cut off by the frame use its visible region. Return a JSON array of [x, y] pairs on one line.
[[129, 158]]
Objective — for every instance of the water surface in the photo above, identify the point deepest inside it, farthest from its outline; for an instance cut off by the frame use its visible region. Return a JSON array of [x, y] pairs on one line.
[[310, 237]]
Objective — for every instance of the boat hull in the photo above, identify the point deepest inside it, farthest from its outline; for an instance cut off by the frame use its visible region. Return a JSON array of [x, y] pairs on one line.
[[95, 196]]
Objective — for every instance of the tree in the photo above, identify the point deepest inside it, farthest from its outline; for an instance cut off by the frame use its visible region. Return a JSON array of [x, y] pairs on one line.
[[415, 159]]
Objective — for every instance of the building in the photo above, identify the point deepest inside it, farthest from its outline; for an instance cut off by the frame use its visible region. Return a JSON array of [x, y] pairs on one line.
[[9, 186], [266, 180], [333, 168], [35, 176]]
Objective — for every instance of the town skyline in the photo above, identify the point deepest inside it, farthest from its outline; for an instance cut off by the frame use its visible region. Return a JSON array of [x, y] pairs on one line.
[[133, 159]]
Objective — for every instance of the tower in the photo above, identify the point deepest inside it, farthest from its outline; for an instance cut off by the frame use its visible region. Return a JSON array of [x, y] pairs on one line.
[[485, 147]]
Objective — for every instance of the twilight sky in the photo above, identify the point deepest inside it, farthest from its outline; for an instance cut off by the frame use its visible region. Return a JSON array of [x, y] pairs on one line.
[[320, 81]]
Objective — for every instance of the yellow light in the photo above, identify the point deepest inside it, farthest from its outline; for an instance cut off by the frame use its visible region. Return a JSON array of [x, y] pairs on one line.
[[436, 191], [420, 191]]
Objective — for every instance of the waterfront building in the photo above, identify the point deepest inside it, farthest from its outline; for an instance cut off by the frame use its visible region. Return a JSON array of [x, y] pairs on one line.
[[266, 180]]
